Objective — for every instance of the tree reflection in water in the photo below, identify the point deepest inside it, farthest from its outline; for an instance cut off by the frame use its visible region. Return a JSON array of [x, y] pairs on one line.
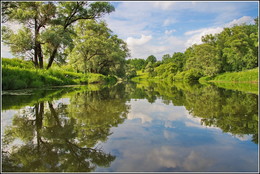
[[64, 137], [232, 111]]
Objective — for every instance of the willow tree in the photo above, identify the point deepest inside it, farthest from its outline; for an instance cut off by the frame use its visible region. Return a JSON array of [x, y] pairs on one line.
[[97, 50], [49, 24]]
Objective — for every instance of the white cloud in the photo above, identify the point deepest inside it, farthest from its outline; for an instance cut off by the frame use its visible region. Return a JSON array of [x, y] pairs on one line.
[[144, 118], [133, 42], [168, 32], [195, 35], [242, 20], [164, 5]]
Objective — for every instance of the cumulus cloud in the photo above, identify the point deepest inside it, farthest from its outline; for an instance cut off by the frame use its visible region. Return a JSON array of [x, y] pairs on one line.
[[195, 35], [242, 20], [133, 41]]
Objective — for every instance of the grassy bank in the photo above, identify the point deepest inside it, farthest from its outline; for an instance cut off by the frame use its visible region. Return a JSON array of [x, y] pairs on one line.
[[248, 76], [19, 74], [246, 81]]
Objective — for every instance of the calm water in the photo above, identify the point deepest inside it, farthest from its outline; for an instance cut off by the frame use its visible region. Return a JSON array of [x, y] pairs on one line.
[[132, 127]]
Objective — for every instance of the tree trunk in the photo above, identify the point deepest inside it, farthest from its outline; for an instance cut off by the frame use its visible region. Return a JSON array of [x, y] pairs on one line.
[[35, 44], [54, 52], [36, 32], [40, 56]]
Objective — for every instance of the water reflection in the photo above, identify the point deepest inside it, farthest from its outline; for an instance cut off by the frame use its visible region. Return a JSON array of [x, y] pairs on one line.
[[62, 137], [169, 127], [232, 111]]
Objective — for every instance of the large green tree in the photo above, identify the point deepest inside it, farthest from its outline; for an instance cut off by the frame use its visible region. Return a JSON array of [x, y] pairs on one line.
[[97, 50], [204, 58], [50, 25]]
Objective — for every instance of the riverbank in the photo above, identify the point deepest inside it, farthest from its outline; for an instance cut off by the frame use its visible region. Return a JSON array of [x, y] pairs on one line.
[[247, 76], [19, 74], [245, 81]]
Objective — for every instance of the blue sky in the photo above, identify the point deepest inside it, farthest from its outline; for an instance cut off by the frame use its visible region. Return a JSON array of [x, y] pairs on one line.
[[164, 27]]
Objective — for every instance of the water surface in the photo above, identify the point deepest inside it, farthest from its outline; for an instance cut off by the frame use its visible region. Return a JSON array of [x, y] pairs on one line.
[[130, 127]]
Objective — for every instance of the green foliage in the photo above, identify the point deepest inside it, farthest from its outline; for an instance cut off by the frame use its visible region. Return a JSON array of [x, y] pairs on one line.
[[204, 58], [138, 64], [130, 71], [179, 76], [192, 75], [234, 49], [97, 50], [166, 58], [240, 50], [15, 62], [165, 71], [151, 59], [150, 69], [47, 27]]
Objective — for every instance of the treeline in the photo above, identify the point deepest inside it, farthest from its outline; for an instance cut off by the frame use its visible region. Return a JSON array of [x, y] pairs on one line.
[[234, 49]]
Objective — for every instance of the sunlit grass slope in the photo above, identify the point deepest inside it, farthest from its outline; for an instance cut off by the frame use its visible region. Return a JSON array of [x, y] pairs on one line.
[[19, 74]]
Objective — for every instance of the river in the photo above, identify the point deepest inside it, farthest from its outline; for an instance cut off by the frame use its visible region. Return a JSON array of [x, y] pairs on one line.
[[130, 128]]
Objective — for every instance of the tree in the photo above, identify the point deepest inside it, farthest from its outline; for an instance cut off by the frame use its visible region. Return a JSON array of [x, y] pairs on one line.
[[150, 69], [204, 58], [138, 64], [241, 50], [151, 59], [50, 25], [179, 59], [166, 58], [97, 50]]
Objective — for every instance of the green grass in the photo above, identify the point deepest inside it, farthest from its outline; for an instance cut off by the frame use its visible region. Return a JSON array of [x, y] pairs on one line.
[[241, 77], [141, 76], [19, 74], [246, 81]]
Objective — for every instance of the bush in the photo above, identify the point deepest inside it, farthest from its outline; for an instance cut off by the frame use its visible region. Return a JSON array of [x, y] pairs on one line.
[[192, 75], [95, 78], [19, 84], [37, 84]]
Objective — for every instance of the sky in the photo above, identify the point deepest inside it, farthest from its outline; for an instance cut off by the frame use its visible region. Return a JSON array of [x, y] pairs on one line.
[[164, 27]]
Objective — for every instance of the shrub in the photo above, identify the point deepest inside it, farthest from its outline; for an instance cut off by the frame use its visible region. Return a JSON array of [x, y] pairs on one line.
[[18, 84], [37, 84]]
